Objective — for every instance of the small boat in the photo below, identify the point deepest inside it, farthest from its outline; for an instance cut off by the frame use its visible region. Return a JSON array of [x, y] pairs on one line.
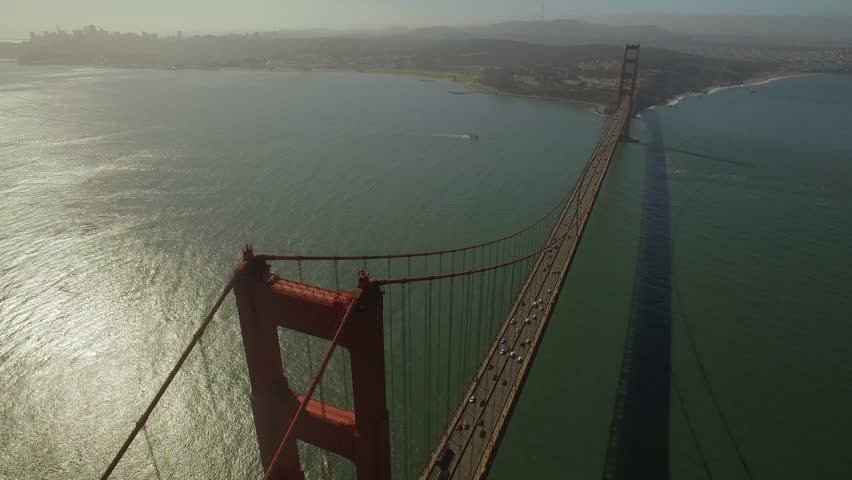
[[751, 90], [473, 136]]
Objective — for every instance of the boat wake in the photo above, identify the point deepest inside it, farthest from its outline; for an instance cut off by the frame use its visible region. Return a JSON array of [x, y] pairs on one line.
[[457, 135]]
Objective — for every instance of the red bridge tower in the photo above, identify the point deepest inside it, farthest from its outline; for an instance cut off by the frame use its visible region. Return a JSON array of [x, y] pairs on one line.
[[629, 71], [266, 303]]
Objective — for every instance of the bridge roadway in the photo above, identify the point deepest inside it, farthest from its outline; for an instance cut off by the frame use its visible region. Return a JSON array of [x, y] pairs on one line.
[[467, 446]]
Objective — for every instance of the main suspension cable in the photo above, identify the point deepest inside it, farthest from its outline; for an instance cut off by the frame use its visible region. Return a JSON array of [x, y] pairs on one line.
[[341, 324], [396, 281], [140, 423], [563, 199]]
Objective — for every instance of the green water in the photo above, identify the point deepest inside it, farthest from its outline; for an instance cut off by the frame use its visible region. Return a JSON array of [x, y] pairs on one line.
[[127, 194], [756, 191]]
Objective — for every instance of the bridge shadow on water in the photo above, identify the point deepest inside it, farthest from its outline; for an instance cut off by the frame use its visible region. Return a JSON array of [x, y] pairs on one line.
[[695, 154], [638, 446]]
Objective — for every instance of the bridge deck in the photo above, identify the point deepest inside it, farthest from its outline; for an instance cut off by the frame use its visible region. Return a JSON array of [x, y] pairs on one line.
[[467, 446]]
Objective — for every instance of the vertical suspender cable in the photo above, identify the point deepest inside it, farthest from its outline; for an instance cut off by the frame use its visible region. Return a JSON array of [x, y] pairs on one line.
[[392, 359], [465, 319], [496, 307], [427, 338], [450, 331], [405, 373], [482, 277], [492, 303], [473, 317], [464, 351], [482, 313], [310, 365], [344, 371], [504, 307], [409, 368], [309, 393], [512, 283], [439, 321]]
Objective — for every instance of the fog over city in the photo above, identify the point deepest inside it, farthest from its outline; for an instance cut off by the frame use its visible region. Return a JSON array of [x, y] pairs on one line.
[[826, 21], [431, 239]]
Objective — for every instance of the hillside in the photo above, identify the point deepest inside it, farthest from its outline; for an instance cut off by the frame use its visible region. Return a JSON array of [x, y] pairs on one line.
[[582, 72], [10, 50]]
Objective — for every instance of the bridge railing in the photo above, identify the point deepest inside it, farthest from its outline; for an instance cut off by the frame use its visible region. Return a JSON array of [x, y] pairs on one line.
[[442, 311], [435, 331]]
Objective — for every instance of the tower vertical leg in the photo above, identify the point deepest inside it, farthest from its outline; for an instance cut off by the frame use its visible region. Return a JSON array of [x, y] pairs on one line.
[[272, 401], [366, 347]]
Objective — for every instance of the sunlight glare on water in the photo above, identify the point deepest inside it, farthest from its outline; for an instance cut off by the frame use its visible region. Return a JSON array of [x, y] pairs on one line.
[[127, 194]]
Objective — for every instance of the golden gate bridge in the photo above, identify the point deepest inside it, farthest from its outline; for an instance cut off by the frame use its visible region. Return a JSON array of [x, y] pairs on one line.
[[464, 322]]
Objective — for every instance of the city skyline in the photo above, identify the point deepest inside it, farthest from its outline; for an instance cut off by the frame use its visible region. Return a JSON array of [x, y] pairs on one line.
[[220, 16]]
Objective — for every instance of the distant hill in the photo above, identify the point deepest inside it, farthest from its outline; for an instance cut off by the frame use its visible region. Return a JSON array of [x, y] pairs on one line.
[[585, 72], [759, 30], [667, 31], [10, 49], [563, 59], [557, 32]]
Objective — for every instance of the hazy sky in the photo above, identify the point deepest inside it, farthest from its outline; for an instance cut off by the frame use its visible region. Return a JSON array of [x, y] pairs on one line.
[[248, 15]]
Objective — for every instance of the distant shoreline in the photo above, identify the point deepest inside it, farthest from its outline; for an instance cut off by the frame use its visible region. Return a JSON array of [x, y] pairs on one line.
[[468, 80], [470, 83], [758, 80], [596, 107], [763, 80]]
